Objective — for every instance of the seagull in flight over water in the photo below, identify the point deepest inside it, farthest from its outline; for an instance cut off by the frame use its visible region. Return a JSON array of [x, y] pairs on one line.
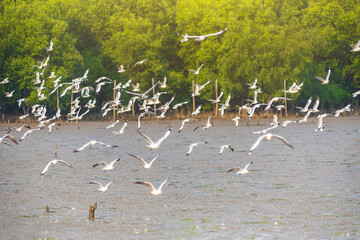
[[326, 80], [146, 165], [268, 137], [107, 167], [101, 187], [92, 143], [152, 144], [53, 163], [154, 191], [241, 170]]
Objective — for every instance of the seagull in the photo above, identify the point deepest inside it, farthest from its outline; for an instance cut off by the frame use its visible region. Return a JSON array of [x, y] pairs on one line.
[[240, 170], [236, 121], [267, 137], [107, 167], [10, 137], [141, 62], [101, 187], [77, 117], [274, 121], [142, 95], [285, 123], [264, 131], [50, 48], [135, 87], [4, 81], [53, 163], [253, 108], [152, 144], [201, 38], [205, 125], [146, 165], [121, 69], [197, 111], [326, 80], [279, 107], [274, 100], [191, 146], [347, 109], [113, 124], [218, 99], [21, 100], [154, 191], [355, 47], [179, 105], [306, 108], [252, 85], [355, 94], [316, 105], [163, 84], [52, 125], [92, 143], [121, 131], [183, 123], [24, 116], [18, 129], [9, 95], [52, 75], [320, 126], [28, 132], [305, 117], [197, 71], [99, 85], [201, 87], [225, 146]]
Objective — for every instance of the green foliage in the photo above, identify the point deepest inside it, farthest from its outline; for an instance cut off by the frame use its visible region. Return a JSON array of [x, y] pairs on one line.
[[271, 40]]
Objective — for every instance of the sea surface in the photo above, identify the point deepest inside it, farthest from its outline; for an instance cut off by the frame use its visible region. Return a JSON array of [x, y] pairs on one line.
[[310, 192]]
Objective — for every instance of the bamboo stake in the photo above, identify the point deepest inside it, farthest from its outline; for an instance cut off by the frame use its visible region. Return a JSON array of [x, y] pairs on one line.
[[193, 90], [152, 81], [285, 97], [114, 94], [216, 96]]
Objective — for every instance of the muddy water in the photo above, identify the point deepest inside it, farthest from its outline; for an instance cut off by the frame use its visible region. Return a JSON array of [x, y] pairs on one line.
[[310, 192]]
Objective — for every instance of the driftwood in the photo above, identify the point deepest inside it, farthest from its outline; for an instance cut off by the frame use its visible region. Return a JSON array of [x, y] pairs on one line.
[[47, 209], [92, 209]]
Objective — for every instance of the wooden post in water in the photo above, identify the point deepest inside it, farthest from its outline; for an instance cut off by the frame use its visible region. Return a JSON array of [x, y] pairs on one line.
[[285, 97], [92, 209], [55, 150], [216, 96], [114, 95], [71, 101], [193, 90]]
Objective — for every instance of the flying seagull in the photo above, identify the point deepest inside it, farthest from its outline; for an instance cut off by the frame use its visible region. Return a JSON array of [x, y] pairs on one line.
[[355, 47], [146, 165], [241, 170], [53, 163], [183, 123], [191, 146], [152, 144], [225, 146], [141, 62], [154, 191], [92, 143], [9, 137], [101, 187], [107, 167], [197, 71], [326, 80], [268, 137], [202, 37]]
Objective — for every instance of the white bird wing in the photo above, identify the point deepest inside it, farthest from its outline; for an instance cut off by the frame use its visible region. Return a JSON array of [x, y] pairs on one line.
[[167, 133], [97, 183], [46, 167], [151, 142], [246, 167], [107, 185], [162, 184], [256, 144], [319, 78], [139, 158], [83, 147], [200, 67], [147, 184], [221, 149], [283, 140], [214, 34], [61, 161], [124, 126]]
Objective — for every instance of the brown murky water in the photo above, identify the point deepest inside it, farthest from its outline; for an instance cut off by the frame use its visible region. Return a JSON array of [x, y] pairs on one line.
[[310, 192]]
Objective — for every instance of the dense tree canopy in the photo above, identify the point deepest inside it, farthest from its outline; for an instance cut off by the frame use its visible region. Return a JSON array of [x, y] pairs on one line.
[[271, 40]]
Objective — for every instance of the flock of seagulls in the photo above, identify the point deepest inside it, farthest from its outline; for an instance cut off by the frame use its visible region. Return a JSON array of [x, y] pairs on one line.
[[144, 100]]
